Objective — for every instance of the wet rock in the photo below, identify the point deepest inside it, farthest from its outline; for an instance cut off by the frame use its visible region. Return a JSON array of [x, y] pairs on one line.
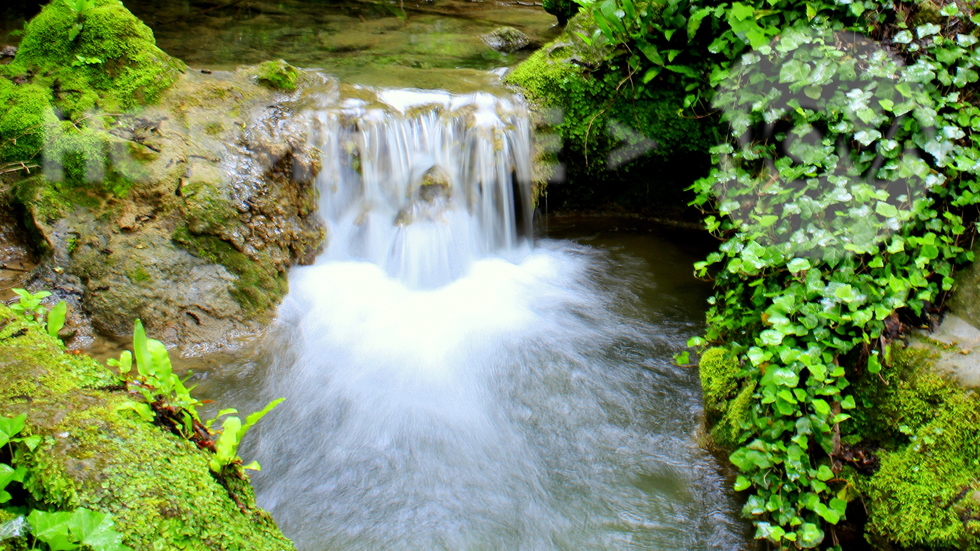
[[506, 39], [222, 203], [8, 52]]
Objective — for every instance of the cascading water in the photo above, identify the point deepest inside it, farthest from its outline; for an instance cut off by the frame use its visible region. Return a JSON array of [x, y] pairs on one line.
[[450, 385]]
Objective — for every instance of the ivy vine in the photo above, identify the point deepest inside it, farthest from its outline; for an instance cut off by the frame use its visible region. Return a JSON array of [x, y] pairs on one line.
[[845, 197]]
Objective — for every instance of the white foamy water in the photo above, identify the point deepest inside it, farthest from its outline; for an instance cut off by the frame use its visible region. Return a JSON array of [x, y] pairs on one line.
[[451, 385]]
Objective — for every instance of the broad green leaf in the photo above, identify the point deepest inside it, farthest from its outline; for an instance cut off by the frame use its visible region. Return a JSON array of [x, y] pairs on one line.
[[95, 530], [52, 529], [143, 358], [56, 318], [11, 427]]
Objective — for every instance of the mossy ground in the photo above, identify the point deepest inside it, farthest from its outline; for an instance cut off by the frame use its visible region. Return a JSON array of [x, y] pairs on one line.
[[915, 432], [605, 124], [922, 427], [157, 486]]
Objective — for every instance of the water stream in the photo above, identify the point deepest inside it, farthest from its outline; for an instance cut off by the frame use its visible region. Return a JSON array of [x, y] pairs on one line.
[[451, 383]]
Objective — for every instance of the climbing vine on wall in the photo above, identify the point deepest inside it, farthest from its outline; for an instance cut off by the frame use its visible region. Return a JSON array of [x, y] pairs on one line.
[[846, 197]]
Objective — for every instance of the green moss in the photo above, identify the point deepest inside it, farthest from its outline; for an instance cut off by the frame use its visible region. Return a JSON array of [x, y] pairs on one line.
[[924, 493], [727, 396], [562, 9], [132, 70], [157, 486], [259, 285], [719, 370], [278, 74], [52, 83], [922, 427], [138, 275], [900, 400], [24, 120], [606, 125]]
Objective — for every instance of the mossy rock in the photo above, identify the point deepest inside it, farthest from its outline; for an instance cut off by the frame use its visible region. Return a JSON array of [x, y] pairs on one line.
[[70, 69], [928, 492], [278, 75], [728, 397], [622, 145], [921, 428], [93, 454], [112, 61]]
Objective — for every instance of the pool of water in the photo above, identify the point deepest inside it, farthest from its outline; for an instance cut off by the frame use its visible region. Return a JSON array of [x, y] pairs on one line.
[[417, 44], [531, 404]]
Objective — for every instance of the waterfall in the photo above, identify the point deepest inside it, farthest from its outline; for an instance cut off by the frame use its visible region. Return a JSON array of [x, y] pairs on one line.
[[448, 383], [424, 183]]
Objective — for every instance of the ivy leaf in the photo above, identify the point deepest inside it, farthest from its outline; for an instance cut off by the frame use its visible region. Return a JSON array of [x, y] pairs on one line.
[[845, 293], [928, 29], [52, 529], [95, 529], [810, 535], [902, 37], [794, 71], [740, 11]]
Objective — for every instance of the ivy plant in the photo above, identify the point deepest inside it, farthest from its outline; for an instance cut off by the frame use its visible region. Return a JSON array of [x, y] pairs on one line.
[[845, 198]]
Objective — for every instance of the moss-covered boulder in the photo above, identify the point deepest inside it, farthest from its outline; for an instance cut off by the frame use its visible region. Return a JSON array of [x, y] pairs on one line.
[[157, 486], [178, 198], [611, 143], [278, 75], [103, 57], [913, 454], [727, 397]]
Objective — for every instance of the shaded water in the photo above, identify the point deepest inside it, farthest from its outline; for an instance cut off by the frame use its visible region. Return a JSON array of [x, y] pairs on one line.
[[452, 384]]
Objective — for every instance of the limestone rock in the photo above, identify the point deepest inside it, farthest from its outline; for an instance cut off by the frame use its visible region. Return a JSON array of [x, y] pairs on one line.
[[506, 39]]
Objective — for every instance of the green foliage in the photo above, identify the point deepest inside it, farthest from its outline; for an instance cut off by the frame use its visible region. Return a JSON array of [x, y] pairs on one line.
[[168, 401], [66, 531], [29, 306], [232, 432], [157, 382], [279, 75], [597, 111], [845, 194], [60, 530]]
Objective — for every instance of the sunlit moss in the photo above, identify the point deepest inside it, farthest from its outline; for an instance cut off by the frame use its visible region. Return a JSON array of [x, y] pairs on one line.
[[278, 74], [113, 54], [157, 486]]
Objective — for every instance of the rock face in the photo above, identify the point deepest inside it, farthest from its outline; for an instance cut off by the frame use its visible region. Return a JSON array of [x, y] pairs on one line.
[[157, 486], [506, 39], [156, 193], [222, 204]]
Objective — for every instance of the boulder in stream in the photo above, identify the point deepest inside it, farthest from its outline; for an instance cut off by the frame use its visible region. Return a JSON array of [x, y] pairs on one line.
[[506, 39], [176, 197]]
